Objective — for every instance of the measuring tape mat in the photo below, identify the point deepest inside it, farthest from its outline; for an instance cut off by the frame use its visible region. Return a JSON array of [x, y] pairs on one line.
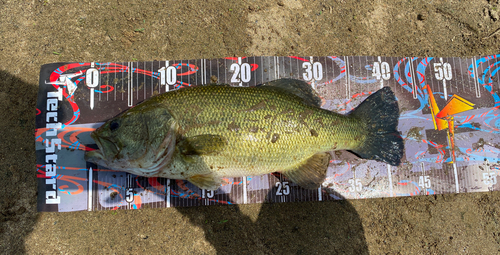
[[449, 120]]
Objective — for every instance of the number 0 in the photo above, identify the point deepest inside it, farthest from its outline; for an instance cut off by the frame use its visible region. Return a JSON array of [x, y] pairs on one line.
[[317, 71], [92, 77]]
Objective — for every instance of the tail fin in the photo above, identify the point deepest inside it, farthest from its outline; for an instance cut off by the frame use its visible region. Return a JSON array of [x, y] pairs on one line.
[[380, 112]]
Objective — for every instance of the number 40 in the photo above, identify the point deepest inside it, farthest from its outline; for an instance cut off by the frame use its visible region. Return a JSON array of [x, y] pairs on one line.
[[381, 70]]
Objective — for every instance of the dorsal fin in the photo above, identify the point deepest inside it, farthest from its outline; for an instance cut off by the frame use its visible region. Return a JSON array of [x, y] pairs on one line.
[[296, 87]]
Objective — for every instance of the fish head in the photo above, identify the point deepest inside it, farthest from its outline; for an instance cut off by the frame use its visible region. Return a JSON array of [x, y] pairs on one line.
[[137, 141]]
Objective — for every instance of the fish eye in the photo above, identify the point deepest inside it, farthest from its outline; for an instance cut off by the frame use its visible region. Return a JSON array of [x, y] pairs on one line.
[[114, 125]]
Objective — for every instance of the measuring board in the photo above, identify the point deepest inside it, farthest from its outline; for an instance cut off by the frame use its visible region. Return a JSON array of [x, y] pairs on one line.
[[449, 121]]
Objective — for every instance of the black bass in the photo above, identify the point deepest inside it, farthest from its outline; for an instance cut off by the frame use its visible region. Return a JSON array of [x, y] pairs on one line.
[[204, 133]]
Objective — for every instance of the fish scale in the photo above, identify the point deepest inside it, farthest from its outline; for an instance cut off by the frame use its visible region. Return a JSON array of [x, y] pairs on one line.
[[295, 142]]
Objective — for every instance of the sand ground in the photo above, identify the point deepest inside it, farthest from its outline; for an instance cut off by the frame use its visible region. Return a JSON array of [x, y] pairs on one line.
[[36, 32]]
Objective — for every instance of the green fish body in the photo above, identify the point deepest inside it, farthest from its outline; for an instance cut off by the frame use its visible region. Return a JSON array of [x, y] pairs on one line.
[[204, 133]]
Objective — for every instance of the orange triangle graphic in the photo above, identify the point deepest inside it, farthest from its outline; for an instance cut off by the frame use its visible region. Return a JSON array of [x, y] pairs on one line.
[[456, 104]]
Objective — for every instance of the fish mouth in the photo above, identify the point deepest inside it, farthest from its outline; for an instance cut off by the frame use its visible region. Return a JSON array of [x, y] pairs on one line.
[[105, 147], [95, 155]]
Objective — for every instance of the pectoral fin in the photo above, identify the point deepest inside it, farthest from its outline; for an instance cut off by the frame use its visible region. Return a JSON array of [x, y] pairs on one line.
[[311, 173], [206, 181], [202, 145]]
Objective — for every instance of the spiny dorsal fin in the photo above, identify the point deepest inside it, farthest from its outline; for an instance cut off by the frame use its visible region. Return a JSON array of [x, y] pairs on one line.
[[202, 145], [296, 87], [311, 173]]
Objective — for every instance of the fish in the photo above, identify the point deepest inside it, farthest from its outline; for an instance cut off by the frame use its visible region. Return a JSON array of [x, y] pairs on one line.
[[205, 133]]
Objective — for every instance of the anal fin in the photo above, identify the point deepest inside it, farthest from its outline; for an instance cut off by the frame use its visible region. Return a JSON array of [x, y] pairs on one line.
[[311, 173], [206, 181]]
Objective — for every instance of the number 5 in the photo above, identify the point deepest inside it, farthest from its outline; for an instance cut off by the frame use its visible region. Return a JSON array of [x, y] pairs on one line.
[[129, 195]]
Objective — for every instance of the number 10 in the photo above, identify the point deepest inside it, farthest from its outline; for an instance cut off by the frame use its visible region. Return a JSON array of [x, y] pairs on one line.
[[169, 74]]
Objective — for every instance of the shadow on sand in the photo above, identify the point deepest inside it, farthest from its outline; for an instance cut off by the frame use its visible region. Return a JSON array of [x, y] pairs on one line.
[[281, 228], [18, 184], [332, 227]]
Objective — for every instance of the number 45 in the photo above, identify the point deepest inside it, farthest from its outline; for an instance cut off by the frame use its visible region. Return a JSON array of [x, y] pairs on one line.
[[424, 181]]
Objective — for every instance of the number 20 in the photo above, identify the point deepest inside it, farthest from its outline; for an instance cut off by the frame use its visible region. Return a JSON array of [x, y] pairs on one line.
[[242, 71]]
